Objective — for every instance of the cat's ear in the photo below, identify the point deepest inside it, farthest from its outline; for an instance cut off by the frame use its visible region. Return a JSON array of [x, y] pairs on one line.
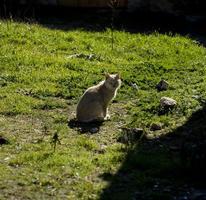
[[107, 75], [117, 76]]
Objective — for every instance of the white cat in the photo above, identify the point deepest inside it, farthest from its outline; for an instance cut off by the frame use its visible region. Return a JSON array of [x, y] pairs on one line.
[[93, 105]]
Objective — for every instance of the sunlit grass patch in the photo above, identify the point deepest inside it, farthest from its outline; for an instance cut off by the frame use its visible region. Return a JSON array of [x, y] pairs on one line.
[[44, 72]]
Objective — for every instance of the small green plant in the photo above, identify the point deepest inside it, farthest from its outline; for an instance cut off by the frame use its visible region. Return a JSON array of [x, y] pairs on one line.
[[55, 140], [113, 5]]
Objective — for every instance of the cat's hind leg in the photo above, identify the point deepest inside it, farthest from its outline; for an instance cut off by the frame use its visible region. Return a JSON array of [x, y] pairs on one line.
[[93, 112]]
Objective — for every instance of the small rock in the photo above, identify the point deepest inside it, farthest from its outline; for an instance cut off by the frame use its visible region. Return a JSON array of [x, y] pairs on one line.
[[150, 136], [82, 55], [155, 127], [102, 149], [134, 86], [91, 56], [167, 102], [162, 85], [94, 130]]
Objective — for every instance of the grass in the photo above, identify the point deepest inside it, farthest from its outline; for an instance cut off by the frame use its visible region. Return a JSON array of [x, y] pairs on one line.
[[44, 72]]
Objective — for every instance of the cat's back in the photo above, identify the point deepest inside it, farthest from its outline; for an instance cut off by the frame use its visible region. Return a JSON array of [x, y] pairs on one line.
[[91, 94]]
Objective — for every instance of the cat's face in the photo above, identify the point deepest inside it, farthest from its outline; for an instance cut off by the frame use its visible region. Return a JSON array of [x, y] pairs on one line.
[[112, 81]]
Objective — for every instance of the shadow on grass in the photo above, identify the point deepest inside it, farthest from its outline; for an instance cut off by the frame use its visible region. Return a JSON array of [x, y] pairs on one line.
[[92, 127], [3, 140], [170, 167]]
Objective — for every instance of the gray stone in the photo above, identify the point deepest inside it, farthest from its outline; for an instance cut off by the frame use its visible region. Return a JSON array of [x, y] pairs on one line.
[[162, 85], [94, 130], [134, 86], [167, 102], [155, 127]]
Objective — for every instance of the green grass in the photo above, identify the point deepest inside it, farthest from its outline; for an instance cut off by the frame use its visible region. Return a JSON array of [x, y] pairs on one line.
[[40, 84]]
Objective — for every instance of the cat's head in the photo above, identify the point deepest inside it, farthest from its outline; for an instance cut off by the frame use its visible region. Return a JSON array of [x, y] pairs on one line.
[[112, 81]]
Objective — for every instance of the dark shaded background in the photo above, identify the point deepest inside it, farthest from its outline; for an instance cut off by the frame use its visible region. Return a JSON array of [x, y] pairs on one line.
[[187, 17]]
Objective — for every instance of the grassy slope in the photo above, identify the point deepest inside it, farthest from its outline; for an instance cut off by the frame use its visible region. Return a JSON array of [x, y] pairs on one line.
[[39, 87]]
